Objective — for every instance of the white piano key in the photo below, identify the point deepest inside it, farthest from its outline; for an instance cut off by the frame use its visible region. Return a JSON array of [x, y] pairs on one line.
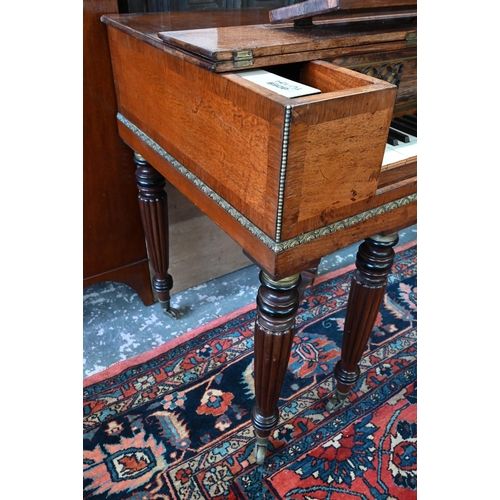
[[400, 152], [409, 149], [391, 155]]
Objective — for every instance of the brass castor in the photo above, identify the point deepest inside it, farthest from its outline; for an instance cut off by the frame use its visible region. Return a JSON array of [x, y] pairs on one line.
[[260, 450], [336, 402], [170, 311]]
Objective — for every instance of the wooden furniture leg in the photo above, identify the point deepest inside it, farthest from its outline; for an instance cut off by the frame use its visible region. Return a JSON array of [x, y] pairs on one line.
[[374, 260], [277, 304], [154, 215], [307, 278]]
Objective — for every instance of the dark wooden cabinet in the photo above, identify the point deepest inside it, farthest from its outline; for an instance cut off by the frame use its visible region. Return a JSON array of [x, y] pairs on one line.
[[114, 248]]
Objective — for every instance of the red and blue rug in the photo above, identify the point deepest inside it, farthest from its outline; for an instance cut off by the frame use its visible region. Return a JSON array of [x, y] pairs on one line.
[[175, 423]]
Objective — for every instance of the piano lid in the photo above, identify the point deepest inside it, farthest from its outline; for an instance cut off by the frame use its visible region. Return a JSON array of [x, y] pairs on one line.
[[307, 9], [229, 48]]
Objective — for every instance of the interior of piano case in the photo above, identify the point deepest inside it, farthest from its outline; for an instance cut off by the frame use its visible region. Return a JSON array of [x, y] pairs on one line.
[[321, 75]]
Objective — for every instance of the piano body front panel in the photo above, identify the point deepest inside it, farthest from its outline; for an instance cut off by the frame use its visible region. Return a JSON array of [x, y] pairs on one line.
[[206, 122], [290, 180], [400, 68]]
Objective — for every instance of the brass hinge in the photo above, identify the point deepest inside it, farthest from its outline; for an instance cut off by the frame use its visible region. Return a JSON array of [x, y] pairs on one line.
[[243, 58], [411, 38]]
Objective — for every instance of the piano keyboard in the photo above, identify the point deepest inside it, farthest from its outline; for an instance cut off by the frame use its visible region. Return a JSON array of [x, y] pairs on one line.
[[402, 140]]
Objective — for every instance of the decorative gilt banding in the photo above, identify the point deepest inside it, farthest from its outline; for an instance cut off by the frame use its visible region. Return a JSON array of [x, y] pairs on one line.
[[275, 246]]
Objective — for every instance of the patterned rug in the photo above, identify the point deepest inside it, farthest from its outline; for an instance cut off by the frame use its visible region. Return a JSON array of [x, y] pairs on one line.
[[175, 424]]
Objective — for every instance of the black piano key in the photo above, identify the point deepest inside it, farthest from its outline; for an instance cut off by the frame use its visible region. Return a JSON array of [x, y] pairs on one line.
[[391, 140], [412, 119], [404, 127], [399, 136], [408, 121]]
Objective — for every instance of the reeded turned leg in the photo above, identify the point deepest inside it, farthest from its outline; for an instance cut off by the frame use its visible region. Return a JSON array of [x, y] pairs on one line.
[[277, 304], [154, 215], [374, 261]]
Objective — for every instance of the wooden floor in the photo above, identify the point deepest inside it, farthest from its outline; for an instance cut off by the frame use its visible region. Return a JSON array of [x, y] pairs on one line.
[[199, 250]]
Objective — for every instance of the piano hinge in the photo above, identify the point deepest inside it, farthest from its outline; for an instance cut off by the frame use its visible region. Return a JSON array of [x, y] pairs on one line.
[[243, 58], [411, 38]]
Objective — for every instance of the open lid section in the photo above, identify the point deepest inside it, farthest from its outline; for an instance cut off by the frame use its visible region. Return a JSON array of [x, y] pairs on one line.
[[301, 10], [230, 48]]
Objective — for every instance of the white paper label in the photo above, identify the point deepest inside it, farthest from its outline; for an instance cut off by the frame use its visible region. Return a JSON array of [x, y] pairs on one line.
[[278, 84]]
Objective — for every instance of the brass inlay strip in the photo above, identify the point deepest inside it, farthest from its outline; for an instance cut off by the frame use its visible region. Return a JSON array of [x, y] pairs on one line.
[[284, 160], [275, 246], [285, 282]]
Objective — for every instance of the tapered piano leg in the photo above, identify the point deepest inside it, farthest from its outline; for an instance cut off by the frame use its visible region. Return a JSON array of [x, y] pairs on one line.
[[277, 304], [154, 214], [374, 260]]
